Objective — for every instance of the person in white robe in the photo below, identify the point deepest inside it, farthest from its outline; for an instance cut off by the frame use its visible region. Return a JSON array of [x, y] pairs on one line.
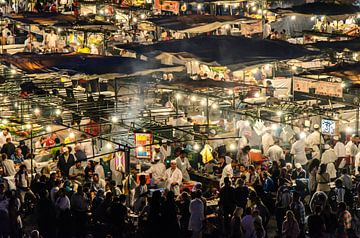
[[173, 178]]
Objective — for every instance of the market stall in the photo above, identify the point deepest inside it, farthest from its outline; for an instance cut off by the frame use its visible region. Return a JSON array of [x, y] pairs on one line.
[[322, 21]]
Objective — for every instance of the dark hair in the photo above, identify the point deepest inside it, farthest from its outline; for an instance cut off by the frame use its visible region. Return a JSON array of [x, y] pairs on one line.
[[322, 168], [342, 206]]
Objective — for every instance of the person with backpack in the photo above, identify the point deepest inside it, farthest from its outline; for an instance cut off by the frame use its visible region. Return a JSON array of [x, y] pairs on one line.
[[283, 199]]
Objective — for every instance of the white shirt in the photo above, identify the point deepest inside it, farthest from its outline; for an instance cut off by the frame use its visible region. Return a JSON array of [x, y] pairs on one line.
[[166, 152], [314, 138], [3, 138], [100, 171], [298, 150], [227, 172], [86, 146], [51, 40], [267, 141], [357, 163], [157, 172], [329, 156], [184, 166], [9, 167], [173, 176], [340, 149], [276, 153], [351, 149], [330, 168]]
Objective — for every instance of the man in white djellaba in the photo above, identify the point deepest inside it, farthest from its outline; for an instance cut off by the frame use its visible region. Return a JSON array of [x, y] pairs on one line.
[[173, 178]]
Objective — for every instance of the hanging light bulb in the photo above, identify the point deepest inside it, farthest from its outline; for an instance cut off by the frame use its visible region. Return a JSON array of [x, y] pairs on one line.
[[196, 147]]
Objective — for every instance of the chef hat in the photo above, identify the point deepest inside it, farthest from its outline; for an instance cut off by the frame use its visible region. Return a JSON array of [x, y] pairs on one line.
[[212, 131], [327, 146], [336, 137], [157, 146], [298, 165], [316, 126]]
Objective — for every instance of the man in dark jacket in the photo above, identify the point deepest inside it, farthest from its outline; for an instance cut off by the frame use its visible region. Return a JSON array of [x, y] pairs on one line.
[[8, 148], [79, 153], [66, 160]]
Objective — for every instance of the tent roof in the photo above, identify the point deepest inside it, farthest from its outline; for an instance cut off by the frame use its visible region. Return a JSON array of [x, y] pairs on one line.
[[83, 63], [57, 20], [352, 45], [225, 50], [182, 23], [320, 9], [345, 71]]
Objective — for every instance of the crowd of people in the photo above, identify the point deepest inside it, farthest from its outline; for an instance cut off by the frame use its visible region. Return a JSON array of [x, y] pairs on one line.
[[309, 190]]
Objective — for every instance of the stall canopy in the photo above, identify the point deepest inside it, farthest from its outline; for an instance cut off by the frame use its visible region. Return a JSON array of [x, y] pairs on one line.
[[330, 10], [351, 45], [232, 51], [198, 23], [60, 20], [84, 63], [346, 71]]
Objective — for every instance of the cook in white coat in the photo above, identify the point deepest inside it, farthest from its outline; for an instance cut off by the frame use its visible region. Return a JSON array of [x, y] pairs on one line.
[[267, 140], [173, 178], [197, 217], [339, 148], [275, 152], [228, 171], [357, 163], [298, 151], [184, 165], [315, 138], [165, 148], [157, 171], [328, 158], [99, 168]]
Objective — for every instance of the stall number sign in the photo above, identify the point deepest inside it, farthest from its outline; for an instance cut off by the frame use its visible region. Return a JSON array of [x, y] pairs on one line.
[[328, 127], [141, 140]]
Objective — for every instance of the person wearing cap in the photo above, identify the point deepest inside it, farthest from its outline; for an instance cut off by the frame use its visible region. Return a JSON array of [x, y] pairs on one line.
[[357, 163], [275, 152], [339, 149], [4, 135], [228, 171], [173, 178], [352, 149], [156, 153], [184, 165], [315, 138], [298, 172], [66, 160], [165, 148], [298, 151], [329, 157], [99, 169], [157, 171], [267, 140]]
